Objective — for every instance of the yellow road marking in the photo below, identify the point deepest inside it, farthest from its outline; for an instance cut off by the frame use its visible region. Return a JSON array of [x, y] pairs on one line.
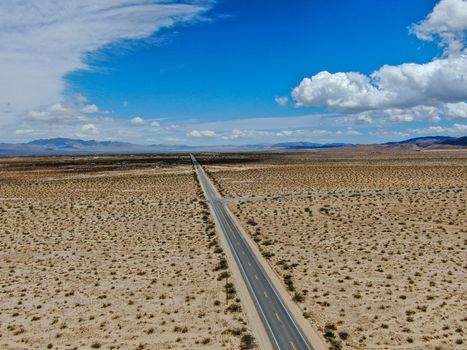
[[277, 316], [293, 345]]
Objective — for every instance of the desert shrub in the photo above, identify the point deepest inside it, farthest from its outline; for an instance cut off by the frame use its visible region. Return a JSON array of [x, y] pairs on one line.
[[343, 335], [206, 341], [222, 265], [298, 297], [223, 275], [234, 308], [247, 342], [289, 283], [251, 222]]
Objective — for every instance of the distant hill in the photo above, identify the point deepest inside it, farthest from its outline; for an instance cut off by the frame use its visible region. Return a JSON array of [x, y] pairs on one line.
[[425, 140], [67, 146], [65, 143], [308, 145], [460, 141]]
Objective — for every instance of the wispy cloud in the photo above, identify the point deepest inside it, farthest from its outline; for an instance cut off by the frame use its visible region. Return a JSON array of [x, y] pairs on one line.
[[281, 100], [42, 41]]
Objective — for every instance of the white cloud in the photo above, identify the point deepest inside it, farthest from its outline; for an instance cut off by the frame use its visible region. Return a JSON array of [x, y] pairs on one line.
[[399, 115], [448, 22], [396, 92], [43, 40], [363, 118], [311, 132], [270, 135], [201, 133], [285, 133], [281, 100], [456, 110], [455, 129], [317, 132], [56, 114], [252, 135], [89, 129], [25, 131], [140, 121], [339, 91], [391, 134], [461, 128], [351, 131], [58, 108], [90, 109], [404, 86], [137, 121]]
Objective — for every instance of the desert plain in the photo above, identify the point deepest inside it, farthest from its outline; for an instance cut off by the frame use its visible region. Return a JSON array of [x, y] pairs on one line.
[[121, 252], [372, 246], [102, 252]]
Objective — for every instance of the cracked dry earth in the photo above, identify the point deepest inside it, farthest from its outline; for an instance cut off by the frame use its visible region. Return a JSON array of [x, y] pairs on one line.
[[111, 261], [374, 251]]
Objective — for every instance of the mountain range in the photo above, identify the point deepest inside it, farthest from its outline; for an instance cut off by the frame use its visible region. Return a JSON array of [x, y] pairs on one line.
[[67, 146]]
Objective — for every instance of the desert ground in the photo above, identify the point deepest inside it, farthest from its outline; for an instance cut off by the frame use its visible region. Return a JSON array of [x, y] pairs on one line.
[[372, 246], [111, 253]]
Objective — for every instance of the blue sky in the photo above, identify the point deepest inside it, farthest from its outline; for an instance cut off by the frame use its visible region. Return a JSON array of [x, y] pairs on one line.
[[217, 72]]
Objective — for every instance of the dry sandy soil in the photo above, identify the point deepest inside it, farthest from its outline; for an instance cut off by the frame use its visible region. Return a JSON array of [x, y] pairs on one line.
[[371, 246], [111, 254]]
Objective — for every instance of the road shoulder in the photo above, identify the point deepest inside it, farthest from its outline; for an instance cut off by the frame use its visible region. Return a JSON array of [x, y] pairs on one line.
[[311, 333]]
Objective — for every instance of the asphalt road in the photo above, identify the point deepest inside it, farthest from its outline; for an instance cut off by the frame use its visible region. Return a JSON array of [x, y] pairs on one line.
[[283, 331]]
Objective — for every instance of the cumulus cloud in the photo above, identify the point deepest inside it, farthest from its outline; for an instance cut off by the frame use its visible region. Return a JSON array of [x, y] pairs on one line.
[[340, 91], [404, 86], [90, 109], [363, 118], [397, 91], [455, 129], [251, 134], [140, 121], [281, 100], [89, 129], [447, 22], [137, 121], [391, 134], [399, 115], [456, 110], [41, 42], [56, 114], [201, 133]]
